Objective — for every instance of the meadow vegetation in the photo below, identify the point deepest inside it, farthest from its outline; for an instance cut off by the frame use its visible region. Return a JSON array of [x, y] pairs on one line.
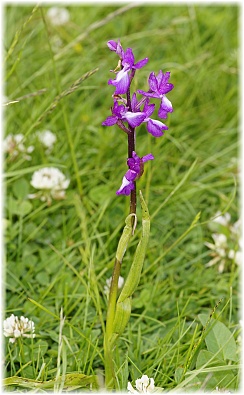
[[184, 329]]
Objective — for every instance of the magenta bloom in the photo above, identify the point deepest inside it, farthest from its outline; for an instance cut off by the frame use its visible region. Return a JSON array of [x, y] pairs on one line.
[[154, 126], [136, 167], [158, 87], [122, 80], [128, 112], [134, 119]]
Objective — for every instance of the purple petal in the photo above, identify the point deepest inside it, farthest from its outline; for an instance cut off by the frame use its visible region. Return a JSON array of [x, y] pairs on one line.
[[118, 110], [165, 107], [149, 94], [112, 45], [126, 187], [161, 78], [128, 59], [163, 85], [148, 108], [147, 157], [152, 81], [155, 127], [141, 63], [110, 121], [166, 88], [131, 162], [120, 50], [135, 157], [130, 175], [133, 102], [134, 163], [134, 119], [122, 82], [116, 47]]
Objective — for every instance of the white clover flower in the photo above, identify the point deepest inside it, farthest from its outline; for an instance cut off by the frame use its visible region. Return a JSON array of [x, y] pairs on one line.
[[236, 256], [47, 138], [219, 251], [15, 327], [228, 246], [143, 385], [14, 146], [236, 230], [58, 16], [56, 43], [222, 219], [52, 183], [217, 389], [108, 284]]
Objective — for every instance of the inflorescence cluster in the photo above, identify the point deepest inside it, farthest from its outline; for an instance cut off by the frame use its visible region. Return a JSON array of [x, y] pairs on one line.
[[129, 112]]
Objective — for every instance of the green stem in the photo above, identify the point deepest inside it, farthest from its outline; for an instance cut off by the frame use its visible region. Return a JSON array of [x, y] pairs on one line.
[[21, 351], [109, 363], [110, 379]]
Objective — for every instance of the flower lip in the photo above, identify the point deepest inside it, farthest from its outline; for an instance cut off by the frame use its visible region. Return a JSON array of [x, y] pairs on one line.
[[126, 187], [134, 119], [165, 107], [121, 82], [156, 127]]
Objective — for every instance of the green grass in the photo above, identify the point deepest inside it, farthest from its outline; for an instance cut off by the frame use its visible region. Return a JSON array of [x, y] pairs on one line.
[[60, 256]]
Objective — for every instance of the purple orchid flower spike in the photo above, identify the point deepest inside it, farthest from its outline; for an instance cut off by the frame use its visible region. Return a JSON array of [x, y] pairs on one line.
[[136, 168], [122, 80], [128, 113], [158, 87]]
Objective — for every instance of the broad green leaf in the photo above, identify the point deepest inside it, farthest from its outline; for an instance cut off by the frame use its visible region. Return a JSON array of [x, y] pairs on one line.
[[20, 188], [42, 278], [179, 374], [39, 348], [19, 208], [221, 377], [206, 358], [219, 339], [203, 318], [25, 207]]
